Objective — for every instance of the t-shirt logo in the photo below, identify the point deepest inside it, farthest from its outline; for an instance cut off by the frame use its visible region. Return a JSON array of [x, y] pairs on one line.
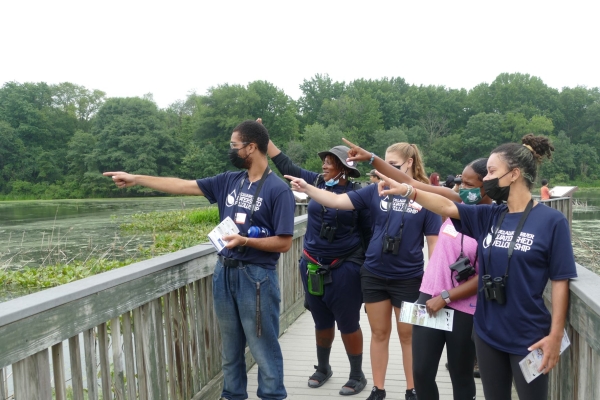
[[231, 199], [384, 204], [488, 239]]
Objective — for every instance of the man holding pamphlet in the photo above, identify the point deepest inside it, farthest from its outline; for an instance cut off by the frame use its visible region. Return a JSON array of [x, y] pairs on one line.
[[245, 283]]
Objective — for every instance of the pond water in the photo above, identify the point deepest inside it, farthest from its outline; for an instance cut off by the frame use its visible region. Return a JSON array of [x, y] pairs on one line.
[[32, 232], [586, 229]]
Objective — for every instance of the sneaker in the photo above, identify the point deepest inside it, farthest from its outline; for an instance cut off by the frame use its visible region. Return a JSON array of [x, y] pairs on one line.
[[411, 395], [377, 394]]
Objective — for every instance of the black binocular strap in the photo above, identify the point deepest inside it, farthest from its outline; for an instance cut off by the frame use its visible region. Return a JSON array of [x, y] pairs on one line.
[[513, 241], [389, 213]]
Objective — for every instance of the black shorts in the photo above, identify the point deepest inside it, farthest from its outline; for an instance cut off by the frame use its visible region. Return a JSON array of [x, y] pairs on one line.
[[376, 288]]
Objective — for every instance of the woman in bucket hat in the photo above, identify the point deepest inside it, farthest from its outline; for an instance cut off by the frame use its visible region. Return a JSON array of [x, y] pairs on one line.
[[333, 253], [393, 267]]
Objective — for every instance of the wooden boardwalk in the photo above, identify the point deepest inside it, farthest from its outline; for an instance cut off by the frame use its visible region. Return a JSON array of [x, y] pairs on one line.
[[299, 353]]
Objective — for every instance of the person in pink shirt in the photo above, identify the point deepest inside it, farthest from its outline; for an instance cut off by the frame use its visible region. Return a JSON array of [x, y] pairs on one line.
[[450, 281]]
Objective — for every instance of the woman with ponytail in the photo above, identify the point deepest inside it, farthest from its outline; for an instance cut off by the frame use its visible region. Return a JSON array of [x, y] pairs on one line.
[[521, 244], [393, 269]]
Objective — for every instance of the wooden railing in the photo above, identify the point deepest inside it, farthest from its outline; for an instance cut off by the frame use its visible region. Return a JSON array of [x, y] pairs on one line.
[[577, 375], [144, 331]]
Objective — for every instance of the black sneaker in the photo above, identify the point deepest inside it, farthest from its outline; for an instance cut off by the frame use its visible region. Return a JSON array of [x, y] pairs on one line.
[[411, 395], [377, 394]]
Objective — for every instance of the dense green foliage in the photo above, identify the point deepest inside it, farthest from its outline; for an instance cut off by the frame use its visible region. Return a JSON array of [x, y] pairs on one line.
[[55, 140]]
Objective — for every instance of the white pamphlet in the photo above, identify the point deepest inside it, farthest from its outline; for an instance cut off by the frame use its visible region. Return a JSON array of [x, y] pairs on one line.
[[531, 364], [226, 227], [416, 314]]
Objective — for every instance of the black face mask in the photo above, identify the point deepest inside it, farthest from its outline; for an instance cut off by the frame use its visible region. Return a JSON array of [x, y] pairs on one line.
[[494, 191], [236, 160]]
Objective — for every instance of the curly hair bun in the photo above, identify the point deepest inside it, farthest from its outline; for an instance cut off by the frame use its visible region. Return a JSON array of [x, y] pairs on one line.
[[540, 146]]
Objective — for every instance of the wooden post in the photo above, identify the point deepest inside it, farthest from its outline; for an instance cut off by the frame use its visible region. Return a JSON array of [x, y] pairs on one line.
[[118, 375], [59, 371], [89, 346], [31, 377], [104, 362], [76, 370], [129, 360]]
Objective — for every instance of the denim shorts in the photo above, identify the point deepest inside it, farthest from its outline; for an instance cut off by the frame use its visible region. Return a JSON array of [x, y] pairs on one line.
[[376, 288]]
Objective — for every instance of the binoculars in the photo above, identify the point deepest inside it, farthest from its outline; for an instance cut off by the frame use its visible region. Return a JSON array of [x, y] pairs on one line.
[[327, 232], [391, 244], [463, 268], [494, 289]]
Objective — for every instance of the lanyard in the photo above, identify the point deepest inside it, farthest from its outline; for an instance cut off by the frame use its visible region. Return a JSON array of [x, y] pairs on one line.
[[389, 213], [324, 209], [513, 241], [260, 184], [462, 253]]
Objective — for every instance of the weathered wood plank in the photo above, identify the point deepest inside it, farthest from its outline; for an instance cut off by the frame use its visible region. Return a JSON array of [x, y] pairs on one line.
[[176, 336], [43, 375], [160, 350], [104, 362], [185, 345], [200, 329], [76, 370], [150, 348], [89, 349], [191, 305], [118, 374], [138, 327], [129, 359], [3, 385], [169, 345], [58, 366], [31, 377], [212, 390]]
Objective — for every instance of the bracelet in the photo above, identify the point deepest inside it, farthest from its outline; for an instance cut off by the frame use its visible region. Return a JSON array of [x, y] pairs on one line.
[[415, 198], [409, 190], [372, 158], [246, 242]]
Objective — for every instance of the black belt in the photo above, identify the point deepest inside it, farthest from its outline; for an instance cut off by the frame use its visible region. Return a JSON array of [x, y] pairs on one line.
[[230, 262]]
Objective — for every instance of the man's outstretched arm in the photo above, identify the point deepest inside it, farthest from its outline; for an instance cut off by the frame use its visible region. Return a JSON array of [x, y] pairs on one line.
[[162, 184]]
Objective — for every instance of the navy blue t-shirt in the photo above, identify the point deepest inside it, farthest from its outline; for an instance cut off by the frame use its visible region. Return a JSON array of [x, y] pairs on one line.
[[543, 251], [348, 223], [418, 222], [274, 209]]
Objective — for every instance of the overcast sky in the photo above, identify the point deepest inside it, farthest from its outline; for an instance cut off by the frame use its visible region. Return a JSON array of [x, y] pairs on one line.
[[170, 48]]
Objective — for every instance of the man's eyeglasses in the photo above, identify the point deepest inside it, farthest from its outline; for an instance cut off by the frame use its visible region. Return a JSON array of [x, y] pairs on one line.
[[234, 144]]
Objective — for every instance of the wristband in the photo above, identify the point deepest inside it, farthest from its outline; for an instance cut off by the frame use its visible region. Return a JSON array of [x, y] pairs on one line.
[[246, 242], [372, 158]]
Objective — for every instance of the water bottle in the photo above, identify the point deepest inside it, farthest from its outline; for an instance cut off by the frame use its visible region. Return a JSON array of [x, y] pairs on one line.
[[258, 232]]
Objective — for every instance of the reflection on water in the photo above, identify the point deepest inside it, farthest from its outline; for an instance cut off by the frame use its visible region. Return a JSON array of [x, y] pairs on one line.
[[32, 232]]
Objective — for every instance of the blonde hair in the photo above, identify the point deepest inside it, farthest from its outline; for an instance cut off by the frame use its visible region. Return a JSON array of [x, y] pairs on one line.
[[406, 151]]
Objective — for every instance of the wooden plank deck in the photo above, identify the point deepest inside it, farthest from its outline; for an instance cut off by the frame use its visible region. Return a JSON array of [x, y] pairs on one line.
[[299, 353]]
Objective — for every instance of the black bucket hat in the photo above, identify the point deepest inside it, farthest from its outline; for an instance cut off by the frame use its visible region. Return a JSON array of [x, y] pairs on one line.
[[341, 152]]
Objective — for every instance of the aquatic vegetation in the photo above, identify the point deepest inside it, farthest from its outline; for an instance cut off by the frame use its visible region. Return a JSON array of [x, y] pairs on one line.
[[170, 230]]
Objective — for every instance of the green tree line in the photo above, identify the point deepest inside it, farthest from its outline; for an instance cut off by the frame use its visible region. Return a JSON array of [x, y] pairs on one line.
[[55, 140]]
